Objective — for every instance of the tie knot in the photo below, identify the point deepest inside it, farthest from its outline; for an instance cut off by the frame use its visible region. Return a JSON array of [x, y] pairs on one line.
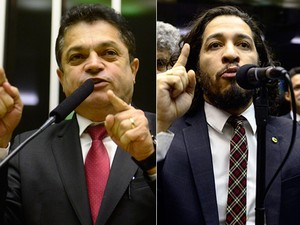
[[97, 132], [236, 121]]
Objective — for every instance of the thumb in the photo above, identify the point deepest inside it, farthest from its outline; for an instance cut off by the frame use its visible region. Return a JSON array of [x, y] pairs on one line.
[[2, 76]]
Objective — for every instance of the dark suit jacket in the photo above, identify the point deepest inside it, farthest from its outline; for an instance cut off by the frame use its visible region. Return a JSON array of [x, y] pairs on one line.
[[46, 184], [288, 115], [186, 188]]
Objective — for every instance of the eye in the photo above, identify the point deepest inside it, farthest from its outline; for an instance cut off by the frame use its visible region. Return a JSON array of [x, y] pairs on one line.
[[244, 45], [161, 64], [110, 53], [214, 45], [296, 88], [76, 57]]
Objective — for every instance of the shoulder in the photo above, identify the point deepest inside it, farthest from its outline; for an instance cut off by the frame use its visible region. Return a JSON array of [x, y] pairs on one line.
[[45, 132], [282, 126], [279, 121], [195, 118], [288, 115]]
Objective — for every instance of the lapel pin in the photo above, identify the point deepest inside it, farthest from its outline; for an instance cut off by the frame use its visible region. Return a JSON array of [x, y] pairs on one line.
[[274, 140]]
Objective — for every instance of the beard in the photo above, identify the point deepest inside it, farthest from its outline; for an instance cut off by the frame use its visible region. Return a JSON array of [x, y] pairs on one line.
[[233, 98]]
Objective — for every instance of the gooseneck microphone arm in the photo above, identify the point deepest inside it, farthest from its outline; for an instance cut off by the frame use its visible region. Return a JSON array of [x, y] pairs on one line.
[[57, 115]]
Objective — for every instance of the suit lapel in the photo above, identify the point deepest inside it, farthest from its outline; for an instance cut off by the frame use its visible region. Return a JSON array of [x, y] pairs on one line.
[[199, 153], [68, 156], [121, 173]]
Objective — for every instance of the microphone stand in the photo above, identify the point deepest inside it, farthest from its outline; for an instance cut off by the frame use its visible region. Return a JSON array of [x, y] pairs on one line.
[[261, 115]]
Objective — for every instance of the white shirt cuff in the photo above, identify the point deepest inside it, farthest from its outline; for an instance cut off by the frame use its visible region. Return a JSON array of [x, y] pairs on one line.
[[164, 140], [4, 152], [152, 177]]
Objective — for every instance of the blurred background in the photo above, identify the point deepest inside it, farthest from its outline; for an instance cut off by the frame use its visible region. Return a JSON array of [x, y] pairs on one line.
[[279, 19], [27, 48]]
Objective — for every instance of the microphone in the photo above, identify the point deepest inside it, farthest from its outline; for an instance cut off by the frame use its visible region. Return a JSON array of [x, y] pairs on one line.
[[72, 101], [58, 114], [251, 76]]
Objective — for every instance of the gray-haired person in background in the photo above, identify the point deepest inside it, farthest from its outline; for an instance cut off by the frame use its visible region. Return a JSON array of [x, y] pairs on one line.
[[168, 38]]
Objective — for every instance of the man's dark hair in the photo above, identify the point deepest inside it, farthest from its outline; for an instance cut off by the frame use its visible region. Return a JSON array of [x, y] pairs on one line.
[[94, 12], [195, 38], [294, 71]]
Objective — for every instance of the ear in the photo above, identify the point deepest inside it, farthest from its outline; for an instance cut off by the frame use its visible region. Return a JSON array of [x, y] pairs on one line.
[[287, 96], [60, 74], [134, 67]]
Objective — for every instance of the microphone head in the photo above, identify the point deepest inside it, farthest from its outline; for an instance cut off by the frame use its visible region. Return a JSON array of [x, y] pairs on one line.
[[242, 77], [71, 102]]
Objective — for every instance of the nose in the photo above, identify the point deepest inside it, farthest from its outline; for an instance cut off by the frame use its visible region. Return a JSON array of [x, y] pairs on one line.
[[94, 64], [230, 54]]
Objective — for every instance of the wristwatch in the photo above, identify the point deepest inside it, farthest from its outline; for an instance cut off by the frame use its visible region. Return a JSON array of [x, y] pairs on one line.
[[150, 161]]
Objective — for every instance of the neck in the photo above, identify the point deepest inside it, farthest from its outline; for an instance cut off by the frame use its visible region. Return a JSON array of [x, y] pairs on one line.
[[95, 114], [239, 111], [233, 111]]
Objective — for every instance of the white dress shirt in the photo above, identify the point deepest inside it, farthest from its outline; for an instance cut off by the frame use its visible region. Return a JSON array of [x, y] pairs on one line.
[[297, 116], [220, 134]]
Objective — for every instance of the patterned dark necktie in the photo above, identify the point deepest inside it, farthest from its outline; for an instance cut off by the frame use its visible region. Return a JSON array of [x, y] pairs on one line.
[[237, 184], [96, 169]]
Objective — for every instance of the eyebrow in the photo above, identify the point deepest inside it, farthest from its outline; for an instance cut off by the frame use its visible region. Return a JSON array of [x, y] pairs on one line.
[[221, 35], [296, 86], [77, 48]]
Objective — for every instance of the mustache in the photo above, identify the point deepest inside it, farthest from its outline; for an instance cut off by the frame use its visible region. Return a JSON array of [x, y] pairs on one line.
[[227, 67]]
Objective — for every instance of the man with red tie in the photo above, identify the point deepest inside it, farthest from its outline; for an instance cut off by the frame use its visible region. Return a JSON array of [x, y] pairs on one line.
[[99, 167]]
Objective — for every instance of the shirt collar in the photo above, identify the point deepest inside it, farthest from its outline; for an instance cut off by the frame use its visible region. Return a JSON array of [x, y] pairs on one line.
[[217, 118], [297, 115], [83, 123]]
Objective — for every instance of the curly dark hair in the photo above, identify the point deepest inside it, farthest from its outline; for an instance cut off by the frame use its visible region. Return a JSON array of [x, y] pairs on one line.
[[90, 13], [195, 38]]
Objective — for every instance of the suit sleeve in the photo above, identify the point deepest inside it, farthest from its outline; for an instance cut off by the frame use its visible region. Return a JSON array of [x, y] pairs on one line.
[[3, 191], [10, 197], [152, 126]]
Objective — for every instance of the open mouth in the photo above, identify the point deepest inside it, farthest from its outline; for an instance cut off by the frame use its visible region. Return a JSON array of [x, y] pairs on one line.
[[97, 81], [229, 73]]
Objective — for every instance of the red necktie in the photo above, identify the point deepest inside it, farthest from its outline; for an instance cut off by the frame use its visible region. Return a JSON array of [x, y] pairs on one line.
[[237, 185], [96, 169]]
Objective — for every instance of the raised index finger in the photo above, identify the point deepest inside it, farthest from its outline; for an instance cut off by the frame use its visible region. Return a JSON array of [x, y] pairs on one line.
[[2, 76], [183, 57], [118, 104]]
